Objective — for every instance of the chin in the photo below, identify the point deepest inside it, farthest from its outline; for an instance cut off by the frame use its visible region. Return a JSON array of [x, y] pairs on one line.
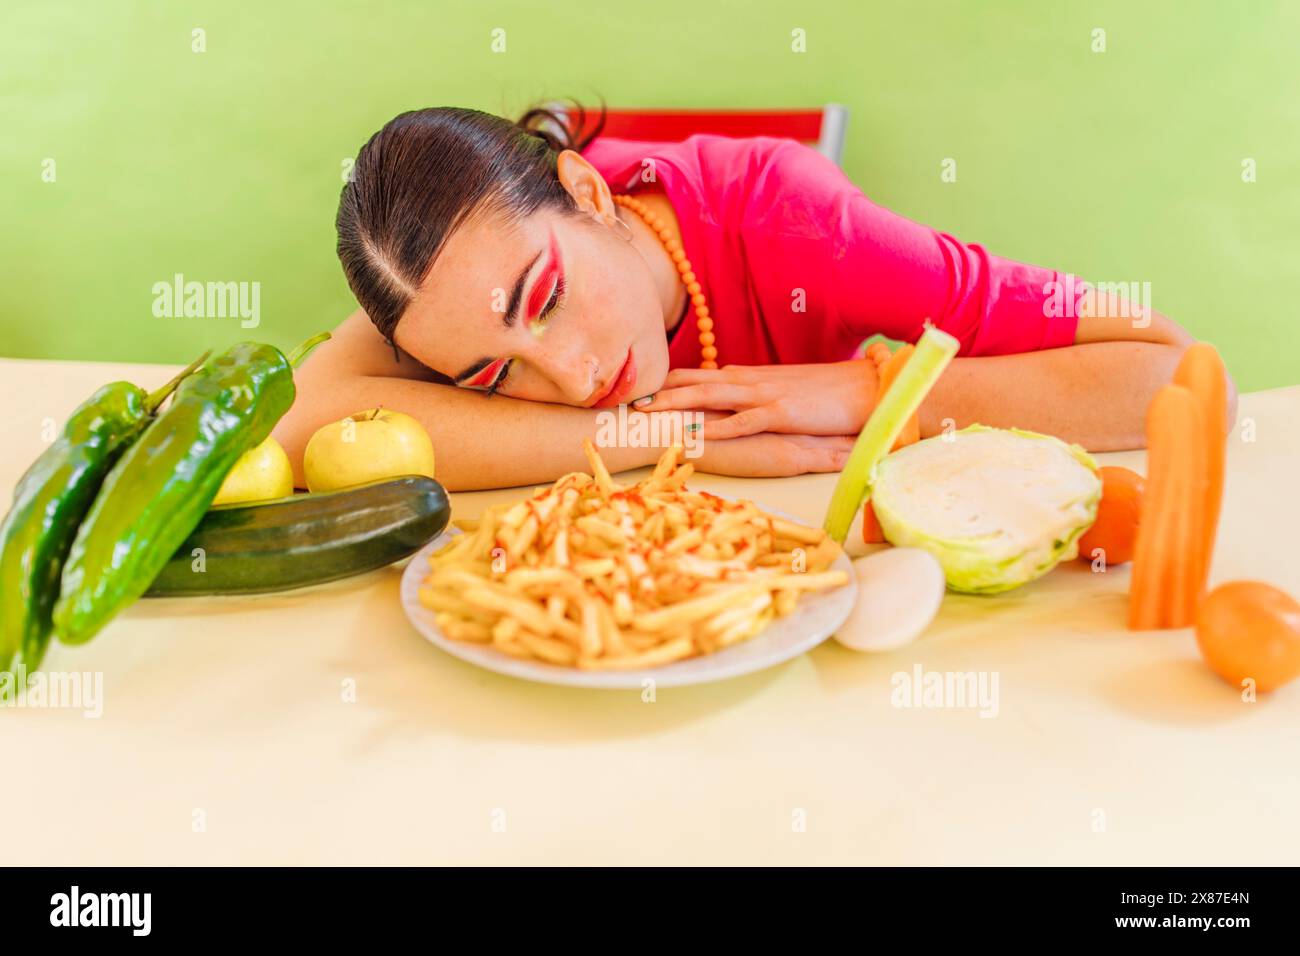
[[653, 372]]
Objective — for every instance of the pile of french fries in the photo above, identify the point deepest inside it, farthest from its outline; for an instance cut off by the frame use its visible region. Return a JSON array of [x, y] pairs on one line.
[[594, 575]]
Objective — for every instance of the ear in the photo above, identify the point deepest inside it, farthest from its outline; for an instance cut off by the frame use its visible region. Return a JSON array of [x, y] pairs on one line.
[[581, 180]]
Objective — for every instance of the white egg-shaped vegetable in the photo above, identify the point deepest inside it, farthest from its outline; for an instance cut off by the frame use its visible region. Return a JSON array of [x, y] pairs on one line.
[[899, 593]]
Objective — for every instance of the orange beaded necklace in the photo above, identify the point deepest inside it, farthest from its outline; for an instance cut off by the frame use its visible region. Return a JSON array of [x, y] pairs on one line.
[[673, 246]]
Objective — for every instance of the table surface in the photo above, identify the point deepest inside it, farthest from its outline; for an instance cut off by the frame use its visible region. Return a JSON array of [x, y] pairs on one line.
[[318, 726]]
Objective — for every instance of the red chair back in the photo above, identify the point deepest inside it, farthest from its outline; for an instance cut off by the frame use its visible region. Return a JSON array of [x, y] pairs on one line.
[[823, 128]]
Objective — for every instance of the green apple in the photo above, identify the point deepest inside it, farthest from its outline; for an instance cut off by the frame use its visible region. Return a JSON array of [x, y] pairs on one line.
[[260, 473], [369, 446]]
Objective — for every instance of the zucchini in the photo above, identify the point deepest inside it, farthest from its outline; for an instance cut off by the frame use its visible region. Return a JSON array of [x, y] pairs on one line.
[[305, 539]]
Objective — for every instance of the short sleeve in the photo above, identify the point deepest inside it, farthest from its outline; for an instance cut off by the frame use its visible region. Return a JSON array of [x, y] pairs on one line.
[[890, 275]]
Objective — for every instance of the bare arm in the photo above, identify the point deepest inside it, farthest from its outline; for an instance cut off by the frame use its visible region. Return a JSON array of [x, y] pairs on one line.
[[499, 442], [478, 442], [1094, 393]]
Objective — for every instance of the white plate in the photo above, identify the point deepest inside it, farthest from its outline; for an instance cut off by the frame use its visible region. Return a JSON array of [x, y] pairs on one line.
[[815, 618]]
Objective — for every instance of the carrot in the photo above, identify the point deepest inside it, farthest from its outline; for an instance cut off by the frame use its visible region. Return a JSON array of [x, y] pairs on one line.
[[872, 533], [1167, 576], [888, 372], [1201, 371], [887, 367]]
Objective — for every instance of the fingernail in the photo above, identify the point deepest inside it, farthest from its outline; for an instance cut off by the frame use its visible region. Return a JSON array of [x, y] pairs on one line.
[[644, 400]]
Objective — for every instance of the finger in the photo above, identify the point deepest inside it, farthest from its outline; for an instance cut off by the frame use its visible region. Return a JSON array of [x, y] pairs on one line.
[[697, 396], [728, 373], [825, 458], [693, 376], [749, 421]]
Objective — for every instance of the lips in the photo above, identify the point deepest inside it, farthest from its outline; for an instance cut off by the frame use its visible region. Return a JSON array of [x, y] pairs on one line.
[[619, 388]]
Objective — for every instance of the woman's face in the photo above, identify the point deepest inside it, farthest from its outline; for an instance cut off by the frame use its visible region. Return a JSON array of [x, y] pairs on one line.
[[552, 308]]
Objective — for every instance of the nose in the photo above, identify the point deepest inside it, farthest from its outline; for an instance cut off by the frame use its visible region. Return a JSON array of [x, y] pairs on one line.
[[574, 371]]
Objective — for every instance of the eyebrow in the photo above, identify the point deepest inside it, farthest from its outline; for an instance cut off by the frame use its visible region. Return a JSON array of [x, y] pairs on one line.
[[512, 314]]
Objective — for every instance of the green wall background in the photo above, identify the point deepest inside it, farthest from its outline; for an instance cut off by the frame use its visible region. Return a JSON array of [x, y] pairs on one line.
[[226, 165]]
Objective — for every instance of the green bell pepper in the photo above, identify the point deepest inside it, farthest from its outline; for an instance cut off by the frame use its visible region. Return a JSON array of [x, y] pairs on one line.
[[163, 485], [49, 503]]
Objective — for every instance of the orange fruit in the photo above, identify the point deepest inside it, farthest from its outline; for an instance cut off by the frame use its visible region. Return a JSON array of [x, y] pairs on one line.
[[1115, 530], [1249, 629], [871, 531]]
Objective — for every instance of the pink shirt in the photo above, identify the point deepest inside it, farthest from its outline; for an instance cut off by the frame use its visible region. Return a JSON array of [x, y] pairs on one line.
[[799, 266]]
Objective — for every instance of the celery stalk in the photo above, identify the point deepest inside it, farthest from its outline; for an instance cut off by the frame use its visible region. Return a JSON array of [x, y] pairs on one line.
[[934, 350]]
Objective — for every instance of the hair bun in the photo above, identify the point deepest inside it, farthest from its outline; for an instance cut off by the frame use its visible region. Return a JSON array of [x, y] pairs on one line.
[[561, 128]]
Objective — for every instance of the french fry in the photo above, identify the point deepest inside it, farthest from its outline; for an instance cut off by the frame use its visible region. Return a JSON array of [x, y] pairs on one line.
[[527, 533], [598, 568], [806, 582], [784, 600], [678, 477], [598, 470], [460, 629], [521, 578], [684, 542], [589, 643], [605, 530], [610, 635], [665, 653], [528, 614], [743, 629], [604, 577], [721, 622], [448, 603], [688, 612], [623, 610], [505, 631], [548, 649], [797, 532], [514, 648]]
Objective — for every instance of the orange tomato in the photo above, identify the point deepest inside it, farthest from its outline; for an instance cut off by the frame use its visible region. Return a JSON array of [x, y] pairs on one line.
[[1115, 530], [1250, 629]]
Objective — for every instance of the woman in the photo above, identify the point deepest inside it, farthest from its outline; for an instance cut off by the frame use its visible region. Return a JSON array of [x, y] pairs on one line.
[[508, 294]]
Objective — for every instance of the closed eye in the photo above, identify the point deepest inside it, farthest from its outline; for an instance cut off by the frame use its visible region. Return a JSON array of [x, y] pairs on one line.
[[487, 376], [505, 371], [494, 376], [553, 303]]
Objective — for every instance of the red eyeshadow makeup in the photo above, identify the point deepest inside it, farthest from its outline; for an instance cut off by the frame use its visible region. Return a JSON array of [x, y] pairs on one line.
[[546, 282], [486, 377]]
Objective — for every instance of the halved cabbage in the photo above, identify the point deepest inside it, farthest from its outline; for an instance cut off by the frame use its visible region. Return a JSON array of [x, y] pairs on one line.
[[997, 507]]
